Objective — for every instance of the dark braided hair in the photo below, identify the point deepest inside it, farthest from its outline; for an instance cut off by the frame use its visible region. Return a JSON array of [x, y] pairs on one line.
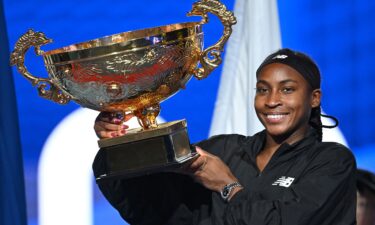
[[316, 122], [313, 79], [315, 117], [310, 72]]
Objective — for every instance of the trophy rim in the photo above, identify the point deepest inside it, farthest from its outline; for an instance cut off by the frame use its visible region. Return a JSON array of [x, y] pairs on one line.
[[120, 38], [105, 51]]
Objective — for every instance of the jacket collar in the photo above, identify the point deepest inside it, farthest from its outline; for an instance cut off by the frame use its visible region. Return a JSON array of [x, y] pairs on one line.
[[255, 144]]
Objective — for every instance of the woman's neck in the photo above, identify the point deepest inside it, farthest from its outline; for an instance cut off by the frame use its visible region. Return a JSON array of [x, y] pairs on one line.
[[274, 142]]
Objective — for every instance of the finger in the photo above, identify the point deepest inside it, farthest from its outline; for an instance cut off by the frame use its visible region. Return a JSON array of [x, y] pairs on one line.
[[114, 117], [200, 151], [101, 125], [104, 134], [110, 134], [198, 164], [104, 116], [105, 130], [109, 130]]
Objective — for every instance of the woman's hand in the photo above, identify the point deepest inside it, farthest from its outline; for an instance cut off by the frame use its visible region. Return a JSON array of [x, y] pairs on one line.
[[211, 172], [109, 125]]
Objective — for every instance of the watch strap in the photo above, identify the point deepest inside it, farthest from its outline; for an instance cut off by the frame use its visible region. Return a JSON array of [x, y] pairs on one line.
[[227, 189]]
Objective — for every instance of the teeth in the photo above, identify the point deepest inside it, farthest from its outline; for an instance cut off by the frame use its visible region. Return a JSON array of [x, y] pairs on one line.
[[275, 116]]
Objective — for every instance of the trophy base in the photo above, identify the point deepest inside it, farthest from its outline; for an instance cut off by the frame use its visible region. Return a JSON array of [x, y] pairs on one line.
[[141, 152]]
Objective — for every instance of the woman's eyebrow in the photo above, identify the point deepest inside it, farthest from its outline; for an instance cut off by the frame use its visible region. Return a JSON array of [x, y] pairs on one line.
[[281, 82], [262, 82], [287, 81]]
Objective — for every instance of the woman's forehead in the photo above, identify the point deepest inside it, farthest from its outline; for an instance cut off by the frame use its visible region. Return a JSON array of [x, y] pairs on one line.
[[279, 73]]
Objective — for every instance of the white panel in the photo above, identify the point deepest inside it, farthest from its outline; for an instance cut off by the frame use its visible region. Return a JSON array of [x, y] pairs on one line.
[[65, 176]]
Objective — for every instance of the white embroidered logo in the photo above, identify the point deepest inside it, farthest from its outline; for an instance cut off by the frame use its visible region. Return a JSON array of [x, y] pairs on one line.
[[284, 181], [280, 57]]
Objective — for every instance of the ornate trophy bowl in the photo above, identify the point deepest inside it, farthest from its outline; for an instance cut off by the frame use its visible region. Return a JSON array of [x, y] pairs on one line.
[[131, 72], [127, 71]]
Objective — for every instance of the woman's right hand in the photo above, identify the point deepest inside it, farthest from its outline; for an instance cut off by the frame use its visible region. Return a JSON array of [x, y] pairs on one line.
[[108, 125]]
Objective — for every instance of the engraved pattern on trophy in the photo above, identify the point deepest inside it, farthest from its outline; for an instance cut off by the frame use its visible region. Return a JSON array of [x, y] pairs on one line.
[[45, 87], [130, 80], [211, 57]]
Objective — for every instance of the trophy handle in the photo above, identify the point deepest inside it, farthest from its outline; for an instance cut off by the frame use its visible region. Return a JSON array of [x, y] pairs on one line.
[[45, 87], [210, 58]]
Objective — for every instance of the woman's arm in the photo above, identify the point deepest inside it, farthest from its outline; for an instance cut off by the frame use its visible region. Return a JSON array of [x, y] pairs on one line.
[[152, 199], [163, 198]]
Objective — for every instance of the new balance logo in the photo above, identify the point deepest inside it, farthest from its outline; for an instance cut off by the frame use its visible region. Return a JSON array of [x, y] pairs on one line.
[[284, 181], [280, 57]]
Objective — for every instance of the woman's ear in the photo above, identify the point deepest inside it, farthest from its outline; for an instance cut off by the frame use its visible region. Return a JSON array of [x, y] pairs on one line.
[[316, 96]]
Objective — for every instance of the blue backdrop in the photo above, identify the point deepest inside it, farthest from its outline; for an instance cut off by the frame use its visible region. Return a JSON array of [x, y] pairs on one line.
[[12, 192], [339, 35]]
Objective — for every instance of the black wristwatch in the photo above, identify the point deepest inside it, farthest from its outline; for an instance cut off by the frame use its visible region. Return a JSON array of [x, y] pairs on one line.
[[225, 193]]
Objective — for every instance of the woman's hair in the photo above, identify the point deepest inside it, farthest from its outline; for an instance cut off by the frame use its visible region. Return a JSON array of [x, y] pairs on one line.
[[316, 122], [308, 69]]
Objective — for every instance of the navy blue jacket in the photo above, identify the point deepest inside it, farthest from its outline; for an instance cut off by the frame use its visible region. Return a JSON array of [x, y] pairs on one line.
[[307, 183]]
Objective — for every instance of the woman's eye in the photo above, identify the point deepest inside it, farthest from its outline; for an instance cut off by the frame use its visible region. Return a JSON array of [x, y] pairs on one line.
[[287, 90], [261, 90]]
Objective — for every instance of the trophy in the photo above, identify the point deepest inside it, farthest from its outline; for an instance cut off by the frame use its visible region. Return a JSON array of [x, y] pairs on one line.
[[132, 72]]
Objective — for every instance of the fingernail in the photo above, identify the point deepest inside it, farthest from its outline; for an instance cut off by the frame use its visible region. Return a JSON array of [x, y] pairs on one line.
[[124, 126], [113, 134], [122, 131], [116, 121]]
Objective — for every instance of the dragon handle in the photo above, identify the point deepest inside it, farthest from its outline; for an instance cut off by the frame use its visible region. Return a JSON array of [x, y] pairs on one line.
[[46, 88], [210, 58]]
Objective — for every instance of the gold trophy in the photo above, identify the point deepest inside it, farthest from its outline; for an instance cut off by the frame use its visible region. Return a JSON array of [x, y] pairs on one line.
[[132, 72]]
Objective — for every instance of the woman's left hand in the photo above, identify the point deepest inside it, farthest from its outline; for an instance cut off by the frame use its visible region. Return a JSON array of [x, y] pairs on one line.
[[211, 171]]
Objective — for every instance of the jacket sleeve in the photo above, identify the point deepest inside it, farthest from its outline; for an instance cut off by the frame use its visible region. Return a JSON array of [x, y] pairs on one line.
[[324, 194], [152, 199], [160, 198]]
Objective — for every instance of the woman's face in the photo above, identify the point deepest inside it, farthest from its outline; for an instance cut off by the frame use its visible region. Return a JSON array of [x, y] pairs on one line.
[[283, 101]]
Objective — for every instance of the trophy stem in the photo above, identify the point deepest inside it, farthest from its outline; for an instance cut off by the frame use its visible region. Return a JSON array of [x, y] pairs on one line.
[[147, 116]]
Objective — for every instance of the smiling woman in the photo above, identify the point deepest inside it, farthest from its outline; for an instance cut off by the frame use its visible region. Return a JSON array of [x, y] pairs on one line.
[[284, 101], [282, 175], [289, 82], [287, 99]]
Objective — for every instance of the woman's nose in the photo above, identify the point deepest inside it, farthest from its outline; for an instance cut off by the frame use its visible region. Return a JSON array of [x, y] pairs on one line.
[[273, 100]]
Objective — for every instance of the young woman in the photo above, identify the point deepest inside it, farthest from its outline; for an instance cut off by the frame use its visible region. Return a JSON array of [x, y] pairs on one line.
[[282, 175]]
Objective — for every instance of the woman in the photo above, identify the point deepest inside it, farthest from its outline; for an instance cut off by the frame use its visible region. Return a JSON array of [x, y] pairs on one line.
[[282, 175]]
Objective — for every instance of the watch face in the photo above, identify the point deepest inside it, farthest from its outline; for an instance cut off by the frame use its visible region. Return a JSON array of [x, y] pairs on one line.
[[227, 189], [225, 192]]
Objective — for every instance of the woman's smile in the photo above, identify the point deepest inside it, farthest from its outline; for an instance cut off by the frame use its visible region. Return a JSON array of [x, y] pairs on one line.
[[275, 117]]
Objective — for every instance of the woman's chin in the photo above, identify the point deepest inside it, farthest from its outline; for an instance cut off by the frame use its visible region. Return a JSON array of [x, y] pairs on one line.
[[276, 131]]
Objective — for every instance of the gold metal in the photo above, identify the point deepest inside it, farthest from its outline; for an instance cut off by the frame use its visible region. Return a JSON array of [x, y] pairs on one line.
[[210, 58], [137, 134], [129, 72], [165, 148], [17, 58]]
